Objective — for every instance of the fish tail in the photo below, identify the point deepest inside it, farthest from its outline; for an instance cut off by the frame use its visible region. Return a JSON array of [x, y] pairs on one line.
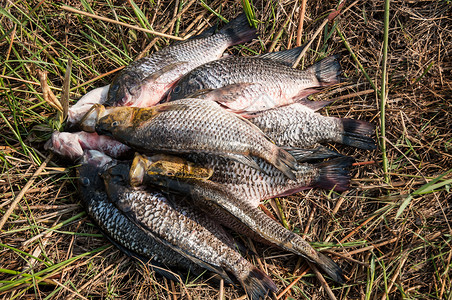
[[239, 31], [327, 71], [334, 174], [330, 268], [258, 284], [283, 161], [357, 134]]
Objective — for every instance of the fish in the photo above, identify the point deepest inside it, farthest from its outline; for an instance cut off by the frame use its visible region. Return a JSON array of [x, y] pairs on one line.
[[253, 84], [79, 109], [170, 165], [187, 126], [238, 214], [146, 81], [71, 145], [187, 229], [245, 182], [299, 126], [116, 226]]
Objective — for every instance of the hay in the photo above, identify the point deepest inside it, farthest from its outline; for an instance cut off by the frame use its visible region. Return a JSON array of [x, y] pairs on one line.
[[391, 238]]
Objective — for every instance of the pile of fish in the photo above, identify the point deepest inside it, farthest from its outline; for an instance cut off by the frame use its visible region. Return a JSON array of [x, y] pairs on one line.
[[185, 141]]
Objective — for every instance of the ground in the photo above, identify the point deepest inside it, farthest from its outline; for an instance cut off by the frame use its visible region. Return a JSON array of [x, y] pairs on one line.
[[390, 233]]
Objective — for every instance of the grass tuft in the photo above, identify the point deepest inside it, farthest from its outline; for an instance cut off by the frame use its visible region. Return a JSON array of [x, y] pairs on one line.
[[391, 237]]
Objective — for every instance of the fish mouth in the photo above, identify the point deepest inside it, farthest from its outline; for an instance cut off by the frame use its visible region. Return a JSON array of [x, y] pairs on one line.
[[102, 130], [89, 121]]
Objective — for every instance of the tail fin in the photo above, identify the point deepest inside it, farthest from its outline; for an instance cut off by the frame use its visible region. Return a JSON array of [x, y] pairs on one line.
[[334, 174], [258, 285], [327, 71], [357, 134], [330, 268], [284, 162], [310, 155], [239, 30]]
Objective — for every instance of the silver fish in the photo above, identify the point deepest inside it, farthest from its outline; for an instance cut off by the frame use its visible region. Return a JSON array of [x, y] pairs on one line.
[[188, 126], [187, 230], [245, 182], [251, 84], [299, 126], [115, 225], [238, 214], [146, 81]]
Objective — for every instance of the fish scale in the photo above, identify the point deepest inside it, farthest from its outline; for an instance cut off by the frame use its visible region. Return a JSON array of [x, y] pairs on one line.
[[282, 126], [118, 228], [257, 83], [254, 185], [240, 215], [146, 81], [249, 184], [176, 127], [187, 229], [297, 125]]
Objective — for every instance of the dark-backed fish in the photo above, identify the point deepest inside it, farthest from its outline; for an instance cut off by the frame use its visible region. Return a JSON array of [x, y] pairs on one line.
[[251, 84], [188, 126], [299, 126], [187, 230], [238, 214], [243, 181], [123, 233], [146, 81]]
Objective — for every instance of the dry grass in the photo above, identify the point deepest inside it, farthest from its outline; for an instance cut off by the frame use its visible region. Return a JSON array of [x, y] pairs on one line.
[[393, 240]]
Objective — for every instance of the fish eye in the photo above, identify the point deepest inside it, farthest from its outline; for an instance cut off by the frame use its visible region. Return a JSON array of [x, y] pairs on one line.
[[170, 174], [177, 89], [115, 123], [85, 181]]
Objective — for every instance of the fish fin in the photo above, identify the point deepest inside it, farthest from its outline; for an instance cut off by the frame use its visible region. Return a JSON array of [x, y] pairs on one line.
[[258, 285], [330, 268], [314, 105], [286, 57], [246, 160], [131, 216], [303, 94], [205, 33], [357, 134], [284, 161], [327, 71], [334, 174], [157, 74], [309, 155], [225, 94], [239, 30], [169, 106]]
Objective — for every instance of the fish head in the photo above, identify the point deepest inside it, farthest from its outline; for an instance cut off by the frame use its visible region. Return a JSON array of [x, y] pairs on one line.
[[92, 164], [89, 120], [125, 89], [115, 179], [115, 121], [187, 87], [168, 166]]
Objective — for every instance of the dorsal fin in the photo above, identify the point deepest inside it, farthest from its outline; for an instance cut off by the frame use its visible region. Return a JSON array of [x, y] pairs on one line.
[[225, 94], [286, 57], [209, 31], [314, 105]]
